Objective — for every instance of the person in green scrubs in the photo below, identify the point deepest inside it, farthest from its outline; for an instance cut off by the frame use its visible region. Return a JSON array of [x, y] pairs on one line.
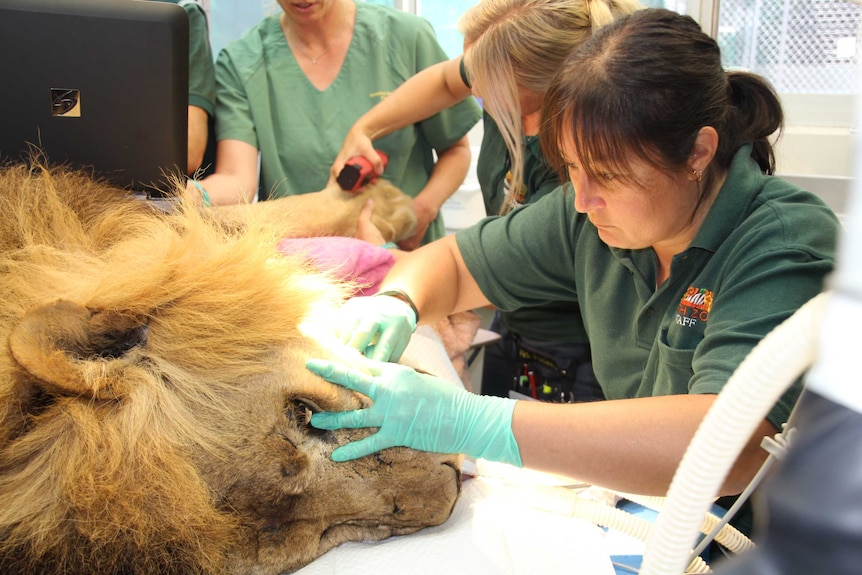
[[202, 92], [291, 87], [512, 49], [681, 248]]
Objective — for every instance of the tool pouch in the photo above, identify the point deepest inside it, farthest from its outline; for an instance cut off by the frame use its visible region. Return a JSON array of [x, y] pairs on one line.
[[561, 372]]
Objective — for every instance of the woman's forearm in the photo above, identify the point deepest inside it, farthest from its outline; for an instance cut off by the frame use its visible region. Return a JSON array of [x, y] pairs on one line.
[[424, 94], [197, 138], [235, 178], [632, 445], [437, 280], [448, 174]]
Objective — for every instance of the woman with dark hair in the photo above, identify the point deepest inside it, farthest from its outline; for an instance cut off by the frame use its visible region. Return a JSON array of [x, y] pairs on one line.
[[680, 247]]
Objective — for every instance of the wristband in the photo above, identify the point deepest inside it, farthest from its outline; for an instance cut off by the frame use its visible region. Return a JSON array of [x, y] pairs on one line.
[[389, 246], [204, 195], [398, 294]]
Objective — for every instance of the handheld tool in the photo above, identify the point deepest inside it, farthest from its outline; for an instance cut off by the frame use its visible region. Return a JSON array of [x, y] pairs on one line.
[[357, 172]]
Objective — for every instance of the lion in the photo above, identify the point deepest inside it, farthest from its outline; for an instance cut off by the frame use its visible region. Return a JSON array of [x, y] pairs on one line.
[[154, 404]]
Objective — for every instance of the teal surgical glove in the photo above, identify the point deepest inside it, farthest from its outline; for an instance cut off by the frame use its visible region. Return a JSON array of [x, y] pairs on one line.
[[378, 326], [419, 411]]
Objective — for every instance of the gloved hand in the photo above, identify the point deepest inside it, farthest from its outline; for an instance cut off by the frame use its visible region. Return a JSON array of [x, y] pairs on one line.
[[378, 326], [419, 411]]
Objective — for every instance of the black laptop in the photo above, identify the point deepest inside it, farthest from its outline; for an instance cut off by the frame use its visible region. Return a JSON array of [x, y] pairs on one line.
[[96, 84]]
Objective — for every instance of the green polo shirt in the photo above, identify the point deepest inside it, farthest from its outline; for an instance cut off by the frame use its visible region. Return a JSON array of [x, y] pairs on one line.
[[762, 251], [558, 321], [265, 100]]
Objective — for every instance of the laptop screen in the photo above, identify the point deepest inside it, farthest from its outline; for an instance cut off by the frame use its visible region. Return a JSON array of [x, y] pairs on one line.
[[97, 84]]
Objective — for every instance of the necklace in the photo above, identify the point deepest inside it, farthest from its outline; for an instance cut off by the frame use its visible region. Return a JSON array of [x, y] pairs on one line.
[[295, 45], [315, 58]]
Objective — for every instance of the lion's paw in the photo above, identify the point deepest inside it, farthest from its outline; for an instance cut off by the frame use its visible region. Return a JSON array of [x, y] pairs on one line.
[[393, 210]]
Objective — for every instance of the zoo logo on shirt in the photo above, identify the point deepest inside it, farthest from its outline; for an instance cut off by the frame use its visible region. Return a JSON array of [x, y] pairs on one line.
[[378, 95], [694, 307]]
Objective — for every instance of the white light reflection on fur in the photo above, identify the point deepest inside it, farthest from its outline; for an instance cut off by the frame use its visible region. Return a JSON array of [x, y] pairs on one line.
[[323, 316]]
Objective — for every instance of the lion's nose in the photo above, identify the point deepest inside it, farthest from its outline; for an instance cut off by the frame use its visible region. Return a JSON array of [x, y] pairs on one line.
[[457, 469]]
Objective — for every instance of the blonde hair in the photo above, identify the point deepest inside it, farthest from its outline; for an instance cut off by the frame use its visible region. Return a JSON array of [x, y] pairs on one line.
[[522, 43]]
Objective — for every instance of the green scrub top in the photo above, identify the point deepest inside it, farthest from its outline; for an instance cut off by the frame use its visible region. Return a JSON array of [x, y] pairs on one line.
[[202, 92], [762, 251], [265, 100]]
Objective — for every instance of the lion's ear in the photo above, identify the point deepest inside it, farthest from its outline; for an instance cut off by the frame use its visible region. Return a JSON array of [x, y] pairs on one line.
[[73, 350]]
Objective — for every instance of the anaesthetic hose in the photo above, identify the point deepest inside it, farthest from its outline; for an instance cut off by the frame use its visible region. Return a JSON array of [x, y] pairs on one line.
[[770, 368]]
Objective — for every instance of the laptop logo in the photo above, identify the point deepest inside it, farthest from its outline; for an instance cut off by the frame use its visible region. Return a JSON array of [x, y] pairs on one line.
[[65, 103]]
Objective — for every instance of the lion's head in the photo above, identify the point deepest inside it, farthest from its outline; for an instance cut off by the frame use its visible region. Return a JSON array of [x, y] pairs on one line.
[[154, 403]]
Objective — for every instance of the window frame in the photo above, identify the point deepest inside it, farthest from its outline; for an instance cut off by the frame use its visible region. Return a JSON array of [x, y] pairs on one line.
[[818, 127]]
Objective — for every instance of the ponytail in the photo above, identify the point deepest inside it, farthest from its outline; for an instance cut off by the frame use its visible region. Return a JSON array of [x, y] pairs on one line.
[[755, 114]]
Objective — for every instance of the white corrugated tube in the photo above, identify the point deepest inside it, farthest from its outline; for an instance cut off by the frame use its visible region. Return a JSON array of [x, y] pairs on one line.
[[771, 367], [565, 502], [728, 536]]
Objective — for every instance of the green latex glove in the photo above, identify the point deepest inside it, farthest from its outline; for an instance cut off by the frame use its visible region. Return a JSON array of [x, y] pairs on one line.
[[378, 326], [419, 411]]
